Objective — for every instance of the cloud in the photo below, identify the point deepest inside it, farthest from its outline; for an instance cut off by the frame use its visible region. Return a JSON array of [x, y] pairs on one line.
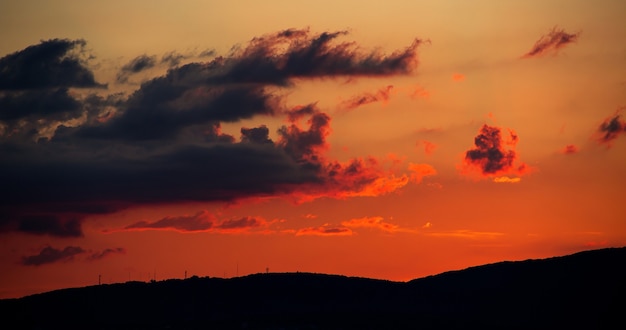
[[50, 64], [490, 157], [419, 171], [458, 77], [201, 221], [163, 142], [569, 149], [99, 255], [467, 234], [429, 147], [371, 222], [136, 65], [610, 129], [552, 42], [506, 179], [324, 230], [382, 95], [50, 255]]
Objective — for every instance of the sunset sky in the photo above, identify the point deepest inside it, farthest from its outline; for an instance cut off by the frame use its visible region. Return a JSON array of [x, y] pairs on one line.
[[381, 139]]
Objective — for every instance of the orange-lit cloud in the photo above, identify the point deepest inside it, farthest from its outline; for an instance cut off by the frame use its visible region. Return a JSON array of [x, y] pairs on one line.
[[325, 230], [610, 129], [466, 234], [569, 149], [552, 42], [419, 171], [382, 95], [458, 77], [490, 157], [506, 179], [371, 222]]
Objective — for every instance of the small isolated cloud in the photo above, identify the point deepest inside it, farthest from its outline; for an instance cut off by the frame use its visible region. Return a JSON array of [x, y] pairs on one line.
[[325, 230], [429, 147], [506, 179], [569, 149], [458, 77], [136, 65], [552, 42], [419, 171], [610, 129], [382, 95], [98, 255], [370, 222], [49, 255], [427, 225], [490, 157], [419, 92]]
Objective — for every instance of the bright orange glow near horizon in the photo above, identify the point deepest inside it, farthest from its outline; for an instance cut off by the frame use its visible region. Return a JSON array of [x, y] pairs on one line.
[[390, 141]]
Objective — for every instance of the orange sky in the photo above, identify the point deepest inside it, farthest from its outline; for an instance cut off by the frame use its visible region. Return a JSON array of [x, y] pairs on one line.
[[387, 140]]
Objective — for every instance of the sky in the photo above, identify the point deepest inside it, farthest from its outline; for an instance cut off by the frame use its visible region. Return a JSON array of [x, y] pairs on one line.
[[149, 140]]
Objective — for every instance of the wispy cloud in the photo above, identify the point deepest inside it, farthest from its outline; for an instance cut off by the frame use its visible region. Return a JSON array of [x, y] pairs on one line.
[[610, 129], [381, 95], [552, 42], [49, 255]]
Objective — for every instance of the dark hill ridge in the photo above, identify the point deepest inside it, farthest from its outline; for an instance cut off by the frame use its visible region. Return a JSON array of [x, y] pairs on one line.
[[586, 290]]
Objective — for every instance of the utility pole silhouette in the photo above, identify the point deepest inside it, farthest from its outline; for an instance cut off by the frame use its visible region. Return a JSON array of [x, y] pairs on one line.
[[99, 279], [185, 274]]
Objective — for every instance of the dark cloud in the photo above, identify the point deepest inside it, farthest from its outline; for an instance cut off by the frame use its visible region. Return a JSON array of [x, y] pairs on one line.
[[163, 143], [610, 129], [99, 255], [382, 95], [50, 255], [51, 224], [552, 42], [241, 223], [256, 134], [37, 104], [325, 231], [136, 65], [200, 221], [50, 64], [490, 156]]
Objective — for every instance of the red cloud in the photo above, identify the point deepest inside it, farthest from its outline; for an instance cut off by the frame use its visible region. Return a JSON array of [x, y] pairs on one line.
[[490, 157], [429, 147], [569, 149], [458, 77], [419, 171]]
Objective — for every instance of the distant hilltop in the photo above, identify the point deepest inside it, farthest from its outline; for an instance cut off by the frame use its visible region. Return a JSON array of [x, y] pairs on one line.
[[586, 290]]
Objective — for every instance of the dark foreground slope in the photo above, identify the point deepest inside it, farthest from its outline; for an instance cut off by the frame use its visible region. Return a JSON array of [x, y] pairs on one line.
[[586, 290]]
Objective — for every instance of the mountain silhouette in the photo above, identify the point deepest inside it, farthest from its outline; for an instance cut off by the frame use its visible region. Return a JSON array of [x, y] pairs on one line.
[[585, 290]]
